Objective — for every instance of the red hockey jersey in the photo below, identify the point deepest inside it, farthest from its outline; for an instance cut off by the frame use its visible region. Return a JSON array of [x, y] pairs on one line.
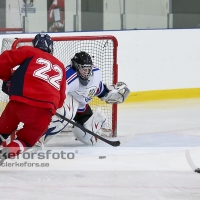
[[40, 79]]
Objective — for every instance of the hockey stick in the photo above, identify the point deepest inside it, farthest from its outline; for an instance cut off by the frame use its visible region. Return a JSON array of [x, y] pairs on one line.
[[112, 143], [191, 163]]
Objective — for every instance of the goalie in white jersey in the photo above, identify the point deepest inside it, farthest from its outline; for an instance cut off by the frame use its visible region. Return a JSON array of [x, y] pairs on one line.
[[84, 82]]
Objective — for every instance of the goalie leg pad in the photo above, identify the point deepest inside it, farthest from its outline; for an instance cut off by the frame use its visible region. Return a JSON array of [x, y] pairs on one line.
[[96, 121], [57, 124], [94, 124], [84, 137]]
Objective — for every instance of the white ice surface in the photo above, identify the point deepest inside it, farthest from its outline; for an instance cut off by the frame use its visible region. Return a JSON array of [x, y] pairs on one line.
[[150, 164]]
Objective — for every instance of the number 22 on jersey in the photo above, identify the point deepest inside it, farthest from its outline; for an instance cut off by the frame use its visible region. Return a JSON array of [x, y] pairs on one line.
[[42, 73]]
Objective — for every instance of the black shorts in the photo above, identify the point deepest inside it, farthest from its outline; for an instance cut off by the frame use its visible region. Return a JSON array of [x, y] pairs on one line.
[[81, 118]]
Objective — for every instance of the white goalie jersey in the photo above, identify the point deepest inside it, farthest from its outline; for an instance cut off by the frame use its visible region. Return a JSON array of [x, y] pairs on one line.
[[84, 94]]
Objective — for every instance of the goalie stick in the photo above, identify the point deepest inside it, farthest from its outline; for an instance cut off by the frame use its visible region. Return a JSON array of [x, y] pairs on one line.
[[112, 143], [190, 162]]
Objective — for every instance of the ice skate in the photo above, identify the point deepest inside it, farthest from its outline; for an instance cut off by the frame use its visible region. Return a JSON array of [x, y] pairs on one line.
[[3, 155]]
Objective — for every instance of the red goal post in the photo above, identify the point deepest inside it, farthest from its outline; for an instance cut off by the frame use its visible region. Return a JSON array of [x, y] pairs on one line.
[[103, 50]]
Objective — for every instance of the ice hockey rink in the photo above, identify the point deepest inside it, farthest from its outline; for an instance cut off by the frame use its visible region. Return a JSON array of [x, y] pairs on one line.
[[150, 164]]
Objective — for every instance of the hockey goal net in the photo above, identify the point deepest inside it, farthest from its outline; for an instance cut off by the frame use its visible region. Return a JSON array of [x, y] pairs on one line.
[[103, 50]]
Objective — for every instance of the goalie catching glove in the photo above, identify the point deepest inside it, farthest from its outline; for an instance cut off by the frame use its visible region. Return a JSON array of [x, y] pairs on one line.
[[117, 93]]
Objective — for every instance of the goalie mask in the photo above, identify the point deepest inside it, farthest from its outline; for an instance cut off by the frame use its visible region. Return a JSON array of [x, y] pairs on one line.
[[43, 42], [82, 63]]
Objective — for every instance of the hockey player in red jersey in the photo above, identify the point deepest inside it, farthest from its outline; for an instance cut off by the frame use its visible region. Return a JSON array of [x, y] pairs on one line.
[[36, 91]]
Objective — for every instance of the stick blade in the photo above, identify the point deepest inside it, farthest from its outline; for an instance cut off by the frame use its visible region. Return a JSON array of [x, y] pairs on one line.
[[114, 143], [190, 161], [197, 170]]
